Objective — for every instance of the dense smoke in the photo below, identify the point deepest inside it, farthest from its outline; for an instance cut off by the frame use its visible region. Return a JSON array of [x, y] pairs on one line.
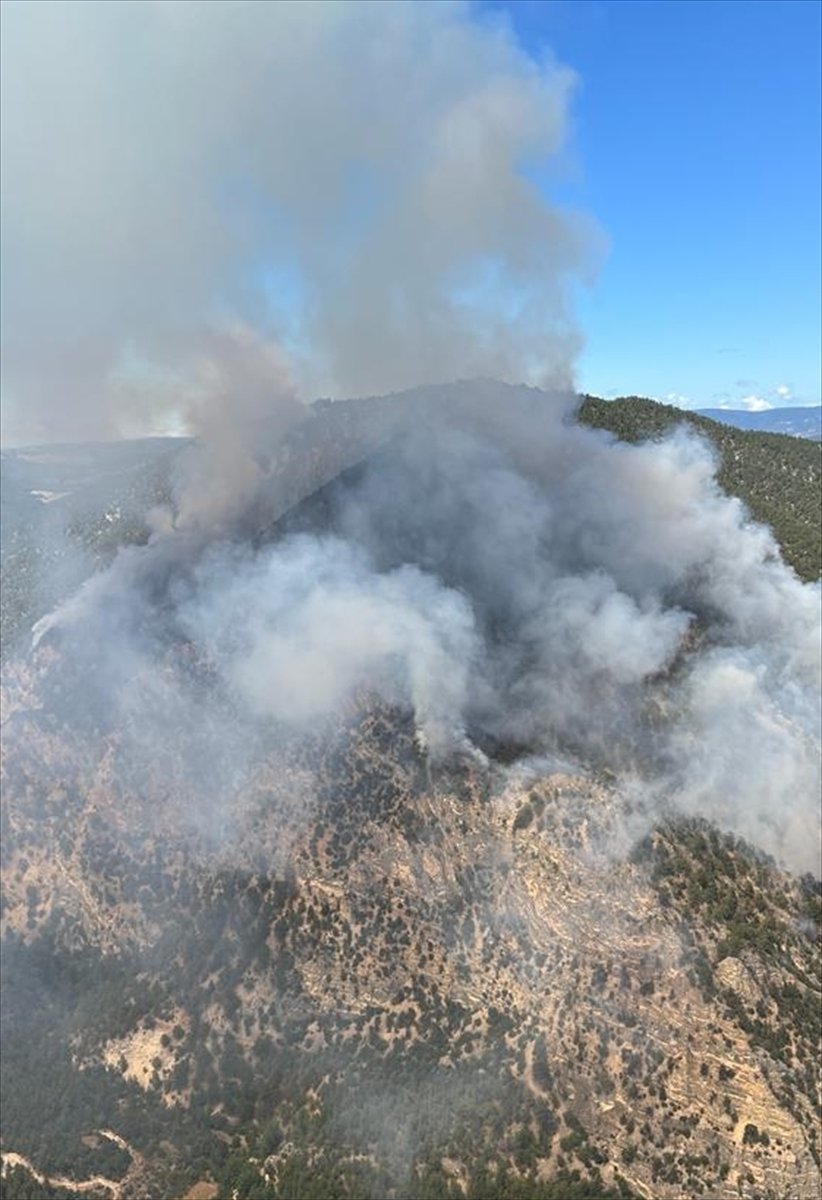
[[523, 585], [347, 185], [250, 202]]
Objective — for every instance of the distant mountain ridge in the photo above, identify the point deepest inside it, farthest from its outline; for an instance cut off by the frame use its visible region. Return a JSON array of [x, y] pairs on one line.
[[796, 421]]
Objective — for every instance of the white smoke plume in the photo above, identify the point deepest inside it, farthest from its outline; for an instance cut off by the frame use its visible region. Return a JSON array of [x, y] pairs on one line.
[[212, 211], [524, 586], [297, 630], [346, 183]]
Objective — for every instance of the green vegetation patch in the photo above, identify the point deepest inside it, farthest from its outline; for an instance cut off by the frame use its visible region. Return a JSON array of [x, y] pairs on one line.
[[779, 478]]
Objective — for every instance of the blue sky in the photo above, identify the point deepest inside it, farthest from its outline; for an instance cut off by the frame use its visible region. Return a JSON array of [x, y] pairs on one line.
[[698, 126]]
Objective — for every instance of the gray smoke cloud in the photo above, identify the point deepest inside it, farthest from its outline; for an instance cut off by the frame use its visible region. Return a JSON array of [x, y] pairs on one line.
[[340, 188], [524, 586], [210, 212], [295, 631]]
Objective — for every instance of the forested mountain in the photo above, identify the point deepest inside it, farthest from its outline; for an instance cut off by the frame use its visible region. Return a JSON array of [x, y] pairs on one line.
[[778, 477]]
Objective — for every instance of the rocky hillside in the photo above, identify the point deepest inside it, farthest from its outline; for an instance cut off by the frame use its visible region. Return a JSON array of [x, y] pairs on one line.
[[427, 983]]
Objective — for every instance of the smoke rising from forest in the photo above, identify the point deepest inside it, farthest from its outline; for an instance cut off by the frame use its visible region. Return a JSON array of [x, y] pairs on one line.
[[251, 203], [516, 581]]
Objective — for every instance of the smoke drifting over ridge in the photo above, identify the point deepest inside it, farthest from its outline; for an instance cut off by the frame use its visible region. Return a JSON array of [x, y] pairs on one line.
[[514, 580], [335, 201], [345, 185]]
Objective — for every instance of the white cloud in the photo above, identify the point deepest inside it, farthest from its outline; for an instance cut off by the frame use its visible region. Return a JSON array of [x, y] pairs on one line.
[[784, 392], [753, 403]]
